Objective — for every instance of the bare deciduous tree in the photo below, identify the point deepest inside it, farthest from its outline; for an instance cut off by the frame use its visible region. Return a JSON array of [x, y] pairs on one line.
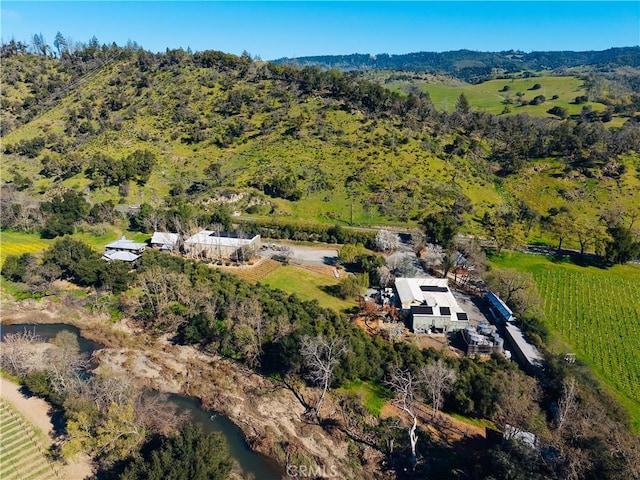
[[433, 255], [567, 403], [404, 385], [64, 364], [385, 275], [386, 240], [517, 400], [155, 221], [16, 354], [107, 388], [517, 289], [249, 328], [321, 355], [159, 289], [476, 259], [278, 327], [438, 379]]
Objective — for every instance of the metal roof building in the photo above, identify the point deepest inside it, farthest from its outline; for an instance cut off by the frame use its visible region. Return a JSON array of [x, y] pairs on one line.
[[123, 244], [527, 354], [498, 308], [110, 255], [431, 305], [220, 245], [164, 240]]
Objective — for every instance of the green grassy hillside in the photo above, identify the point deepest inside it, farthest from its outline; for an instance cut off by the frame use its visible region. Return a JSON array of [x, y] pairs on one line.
[[576, 91], [491, 96], [303, 145]]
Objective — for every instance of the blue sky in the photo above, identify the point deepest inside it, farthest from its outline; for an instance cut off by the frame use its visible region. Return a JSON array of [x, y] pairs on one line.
[[288, 29]]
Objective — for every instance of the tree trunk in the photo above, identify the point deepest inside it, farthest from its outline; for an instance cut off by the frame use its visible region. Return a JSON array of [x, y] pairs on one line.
[[413, 438], [321, 399]]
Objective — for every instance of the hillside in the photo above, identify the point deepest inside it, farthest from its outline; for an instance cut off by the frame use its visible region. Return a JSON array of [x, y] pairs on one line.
[[182, 130], [474, 66], [494, 96], [182, 141]]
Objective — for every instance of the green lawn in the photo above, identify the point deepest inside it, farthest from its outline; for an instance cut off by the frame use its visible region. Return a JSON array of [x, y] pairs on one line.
[[307, 285], [596, 312]]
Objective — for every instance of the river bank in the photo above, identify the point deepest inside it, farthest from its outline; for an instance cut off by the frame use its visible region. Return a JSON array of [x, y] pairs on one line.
[[269, 415]]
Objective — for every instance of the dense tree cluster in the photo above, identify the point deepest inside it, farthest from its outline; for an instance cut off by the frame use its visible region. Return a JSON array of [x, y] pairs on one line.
[[66, 259], [471, 65], [63, 213], [107, 171], [191, 454]]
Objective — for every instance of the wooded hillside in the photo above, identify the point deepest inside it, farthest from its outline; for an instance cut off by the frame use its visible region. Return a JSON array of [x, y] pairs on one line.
[[185, 130]]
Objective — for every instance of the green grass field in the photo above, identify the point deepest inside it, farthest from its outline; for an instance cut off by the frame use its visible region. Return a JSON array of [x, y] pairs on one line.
[[373, 396], [595, 311], [490, 96], [307, 285]]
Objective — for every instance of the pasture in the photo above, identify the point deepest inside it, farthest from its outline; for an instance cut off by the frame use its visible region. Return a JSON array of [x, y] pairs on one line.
[[594, 311], [490, 96]]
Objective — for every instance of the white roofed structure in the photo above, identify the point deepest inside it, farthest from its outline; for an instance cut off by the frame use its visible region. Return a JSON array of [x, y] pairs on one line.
[[431, 304], [125, 245], [164, 240], [221, 245], [123, 256]]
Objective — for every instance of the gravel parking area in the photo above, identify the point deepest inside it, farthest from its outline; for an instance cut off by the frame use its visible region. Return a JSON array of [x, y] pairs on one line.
[[301, 255]]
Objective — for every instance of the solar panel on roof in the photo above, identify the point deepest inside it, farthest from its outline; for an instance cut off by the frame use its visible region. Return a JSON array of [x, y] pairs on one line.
[[462, 316], [445, 311], [433, 288], [422, 309], [499, 305]]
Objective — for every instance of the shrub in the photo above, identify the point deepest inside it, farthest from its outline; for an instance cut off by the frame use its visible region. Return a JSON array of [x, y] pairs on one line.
[[537, 100], [560, 112]]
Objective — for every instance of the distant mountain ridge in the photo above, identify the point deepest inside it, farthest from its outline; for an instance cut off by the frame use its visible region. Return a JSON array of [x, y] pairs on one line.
[[471, 65]]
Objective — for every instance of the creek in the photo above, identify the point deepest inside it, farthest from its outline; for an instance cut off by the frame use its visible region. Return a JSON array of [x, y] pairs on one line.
[[251, 463]]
